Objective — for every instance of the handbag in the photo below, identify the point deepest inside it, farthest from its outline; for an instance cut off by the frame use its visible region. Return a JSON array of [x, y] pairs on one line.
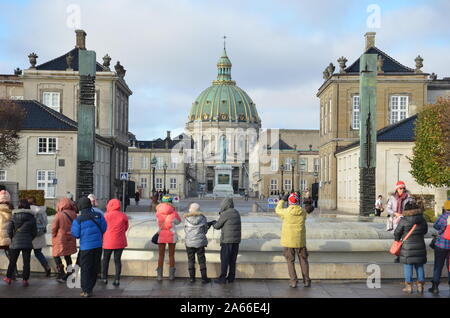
[[155, 237], [446, 234], [397, 245], [433, 242]]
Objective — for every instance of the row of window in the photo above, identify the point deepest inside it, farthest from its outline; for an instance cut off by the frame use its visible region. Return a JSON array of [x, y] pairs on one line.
[[159, 183], [398, 105], [145, 161], [287, 184], [303, 165]]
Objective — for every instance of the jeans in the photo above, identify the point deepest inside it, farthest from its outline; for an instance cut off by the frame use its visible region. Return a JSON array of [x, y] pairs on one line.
[[26, 257], [228, 257], [90, 261], [58, 260], [440, 256], [41, 257], [409, 272], [117, 262]]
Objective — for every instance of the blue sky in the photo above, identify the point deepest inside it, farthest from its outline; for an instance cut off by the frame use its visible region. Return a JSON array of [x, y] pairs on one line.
[[278, 48]]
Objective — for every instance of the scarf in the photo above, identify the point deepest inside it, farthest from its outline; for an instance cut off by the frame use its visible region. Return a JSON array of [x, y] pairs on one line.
[[400, 200]]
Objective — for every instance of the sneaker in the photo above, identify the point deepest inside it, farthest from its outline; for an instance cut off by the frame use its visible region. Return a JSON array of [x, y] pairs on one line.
[[192, 280], [116, 283], [25, 283], [7, 280], [104, 281], [206, 280], [220, 281], [307, 283], [293, 284]]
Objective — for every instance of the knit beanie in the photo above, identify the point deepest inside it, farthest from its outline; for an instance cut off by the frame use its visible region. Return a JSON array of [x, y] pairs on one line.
[[446, 206], [84, 203], [294, 199], [194, 208], [167, 199], [400, 184], [5, 197]]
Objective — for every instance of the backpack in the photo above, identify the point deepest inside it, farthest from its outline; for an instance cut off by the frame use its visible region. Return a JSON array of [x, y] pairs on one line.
[[40, 223]]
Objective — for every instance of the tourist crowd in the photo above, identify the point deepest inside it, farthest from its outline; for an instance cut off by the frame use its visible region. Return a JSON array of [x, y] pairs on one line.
[[102, 235]]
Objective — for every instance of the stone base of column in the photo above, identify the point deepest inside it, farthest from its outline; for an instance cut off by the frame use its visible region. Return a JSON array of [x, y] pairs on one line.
[[367, 191], [85, 181]]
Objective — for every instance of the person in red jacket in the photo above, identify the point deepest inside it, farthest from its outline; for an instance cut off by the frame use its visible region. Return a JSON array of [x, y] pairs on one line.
[[167, 217], [114, 239]]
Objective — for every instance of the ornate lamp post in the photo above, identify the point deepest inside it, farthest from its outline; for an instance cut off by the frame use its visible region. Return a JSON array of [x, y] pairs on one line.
[[165, 171], [282, 184], [153, 163], [293, 162]]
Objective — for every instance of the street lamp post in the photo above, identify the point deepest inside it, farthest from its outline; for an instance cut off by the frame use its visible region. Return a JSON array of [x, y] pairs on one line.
[[154, 162], [293, 170], [282, 184], [398, 155], [55, 178], [165, 171]]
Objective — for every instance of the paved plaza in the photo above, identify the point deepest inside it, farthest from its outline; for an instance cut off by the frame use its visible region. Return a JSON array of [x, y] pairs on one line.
[[130, 287]]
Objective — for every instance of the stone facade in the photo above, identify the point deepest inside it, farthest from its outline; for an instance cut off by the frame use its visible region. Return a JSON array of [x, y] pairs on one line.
[[337, 100]]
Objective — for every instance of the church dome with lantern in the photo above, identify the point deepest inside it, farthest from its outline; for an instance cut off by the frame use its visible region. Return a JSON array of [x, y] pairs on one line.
[[224, 101]]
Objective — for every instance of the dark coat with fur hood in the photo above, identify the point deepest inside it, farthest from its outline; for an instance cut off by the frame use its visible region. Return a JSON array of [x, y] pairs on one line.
[[414, 250], [195, 227]]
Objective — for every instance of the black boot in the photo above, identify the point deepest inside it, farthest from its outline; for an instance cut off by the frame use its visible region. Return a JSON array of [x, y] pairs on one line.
[[434, 289], [205, 279], [61, 273], [47, 269], [192, 275]]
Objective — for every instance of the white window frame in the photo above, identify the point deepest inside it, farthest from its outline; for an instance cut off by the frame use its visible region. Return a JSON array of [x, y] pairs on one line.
[[144, 162], [46, 181], [399, 108], [316, 164], [329, 114], [304, 164], [173, 183], [130, 162], [173, 163], [16, 97], [303, 184], [159, 163], [159, 183], [3, 175], [273, 184], [288, 164], [287, 185], [355, 112], [47, 145], [274, 164], [50, 97], [144, 183]]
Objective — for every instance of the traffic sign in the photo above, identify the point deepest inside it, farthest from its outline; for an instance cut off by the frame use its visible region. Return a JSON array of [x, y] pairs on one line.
[[123, 176]]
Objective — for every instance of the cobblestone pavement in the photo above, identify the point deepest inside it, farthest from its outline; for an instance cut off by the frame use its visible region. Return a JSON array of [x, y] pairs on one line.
[[130, 287]]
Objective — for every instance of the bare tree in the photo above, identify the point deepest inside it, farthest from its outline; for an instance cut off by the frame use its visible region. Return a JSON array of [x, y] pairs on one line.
[[12, 117]]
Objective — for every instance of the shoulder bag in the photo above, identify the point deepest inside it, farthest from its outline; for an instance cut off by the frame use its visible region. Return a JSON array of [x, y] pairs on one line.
[[397, 245], [155, 237]]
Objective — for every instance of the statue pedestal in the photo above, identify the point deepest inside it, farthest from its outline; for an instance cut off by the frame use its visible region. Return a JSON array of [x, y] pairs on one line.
[[223, 177]]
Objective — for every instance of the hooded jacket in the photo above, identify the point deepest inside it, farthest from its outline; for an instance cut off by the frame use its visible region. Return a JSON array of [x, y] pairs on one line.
[[115, 236], [22, 229], [64, 244], [5, 219], [229, 222], [89, 233], [413, 250], [391, 206], [40, 213], [167, 218], [195, 227], [293, 230]]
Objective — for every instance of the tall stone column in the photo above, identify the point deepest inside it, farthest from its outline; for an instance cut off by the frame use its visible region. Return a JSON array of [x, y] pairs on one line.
[[367, 133], [86, 124]]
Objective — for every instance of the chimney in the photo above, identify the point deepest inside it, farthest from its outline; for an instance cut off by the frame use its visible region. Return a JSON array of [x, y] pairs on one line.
[[81, 39], [370, 40]]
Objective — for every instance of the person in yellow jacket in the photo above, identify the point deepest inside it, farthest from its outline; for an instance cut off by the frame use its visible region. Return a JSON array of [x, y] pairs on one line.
[[293, 237]]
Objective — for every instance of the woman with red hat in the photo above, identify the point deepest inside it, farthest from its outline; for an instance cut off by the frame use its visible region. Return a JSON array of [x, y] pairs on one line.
[[293, 237], [396, 204]]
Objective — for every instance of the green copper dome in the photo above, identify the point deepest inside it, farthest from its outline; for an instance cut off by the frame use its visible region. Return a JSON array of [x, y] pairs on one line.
[[224, 101]]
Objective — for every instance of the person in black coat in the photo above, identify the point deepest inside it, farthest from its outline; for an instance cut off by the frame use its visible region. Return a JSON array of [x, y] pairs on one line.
[[413, 253], [22, 230]]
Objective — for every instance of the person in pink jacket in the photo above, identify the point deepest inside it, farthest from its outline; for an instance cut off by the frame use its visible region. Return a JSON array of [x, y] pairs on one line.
[[167, 218], [114, 239]]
